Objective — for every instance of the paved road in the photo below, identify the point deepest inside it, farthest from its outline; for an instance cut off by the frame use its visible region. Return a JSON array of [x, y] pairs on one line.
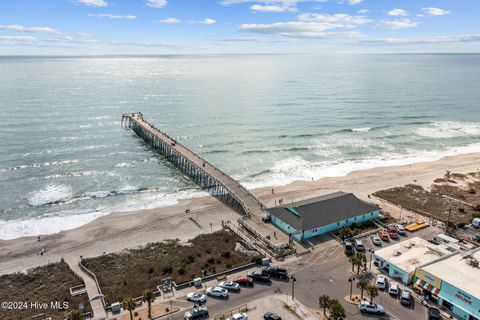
[[323, 272]]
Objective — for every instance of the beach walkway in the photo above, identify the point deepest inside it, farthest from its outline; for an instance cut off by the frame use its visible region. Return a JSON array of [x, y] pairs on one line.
[[92, 290]]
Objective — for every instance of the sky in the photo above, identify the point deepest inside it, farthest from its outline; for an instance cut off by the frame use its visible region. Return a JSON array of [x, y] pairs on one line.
[[95, 27]]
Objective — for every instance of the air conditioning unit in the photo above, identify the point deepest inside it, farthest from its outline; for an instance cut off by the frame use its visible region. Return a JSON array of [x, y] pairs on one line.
[[472, 262]]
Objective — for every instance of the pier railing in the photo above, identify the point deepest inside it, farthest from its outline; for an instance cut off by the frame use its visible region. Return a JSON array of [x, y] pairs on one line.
[[204, 173]]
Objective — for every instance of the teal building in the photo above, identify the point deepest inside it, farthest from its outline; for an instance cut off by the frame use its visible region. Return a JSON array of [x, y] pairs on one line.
[[316, 216]]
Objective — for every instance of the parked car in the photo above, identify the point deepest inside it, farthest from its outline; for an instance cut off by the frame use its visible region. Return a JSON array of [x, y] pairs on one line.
[[349, 250], [238, 316], [196, 313], [229, 285], [381, 282], [196, 297], [367, 307], [258, 276], [400, 229], [476, 238], [376, 240], [393, 288], [383, 235], [406, 297], [434, 314], [217, 292], [275, 272], [392, 233], [244, 281], [271, 316], [359, 245]]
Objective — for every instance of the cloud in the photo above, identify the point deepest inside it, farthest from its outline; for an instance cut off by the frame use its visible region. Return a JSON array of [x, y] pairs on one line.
[[255, 40], [16, 27], [269, 2], [396, 12], [207, 21], [93, 3], [273, 8], [84, 34], [363, 11], [431, 40], [156, 3], [112, 16], [298, 29], [331, 21], [398, 24], [9, 40], [435, 11], [354, 2], [170, 20]]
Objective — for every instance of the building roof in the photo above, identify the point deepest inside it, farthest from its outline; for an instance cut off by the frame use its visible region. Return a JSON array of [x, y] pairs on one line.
[[412, 253], [321, 211], [458, 273]]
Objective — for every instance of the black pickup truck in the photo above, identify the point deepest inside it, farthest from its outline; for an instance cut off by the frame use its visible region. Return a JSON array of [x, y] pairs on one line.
[[275, 272], [259, 276]]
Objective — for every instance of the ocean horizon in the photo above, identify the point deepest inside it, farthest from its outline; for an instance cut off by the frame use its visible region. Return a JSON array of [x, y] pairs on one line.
[[267, 120]]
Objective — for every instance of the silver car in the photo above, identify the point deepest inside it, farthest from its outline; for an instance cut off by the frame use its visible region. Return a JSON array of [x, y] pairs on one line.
[[196, 297], [229, 285]]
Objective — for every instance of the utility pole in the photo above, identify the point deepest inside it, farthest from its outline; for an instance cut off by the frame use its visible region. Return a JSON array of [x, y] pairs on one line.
[[448, 220], [293, 286]]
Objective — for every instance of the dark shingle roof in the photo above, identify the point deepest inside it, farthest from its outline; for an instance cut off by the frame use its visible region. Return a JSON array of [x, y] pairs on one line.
[[321, 211]]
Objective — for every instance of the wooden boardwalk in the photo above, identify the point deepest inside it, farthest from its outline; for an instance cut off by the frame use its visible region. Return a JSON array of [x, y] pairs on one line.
[[210, 178], [252, 207]]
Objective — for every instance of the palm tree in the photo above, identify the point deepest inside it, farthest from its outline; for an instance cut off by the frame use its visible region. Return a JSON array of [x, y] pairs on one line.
[[360, 259], [75, 315], [129, 304], [354, 261], [372, 292], [362, 284], [324, 302], [337, 312], [149, 297], [344, 233]]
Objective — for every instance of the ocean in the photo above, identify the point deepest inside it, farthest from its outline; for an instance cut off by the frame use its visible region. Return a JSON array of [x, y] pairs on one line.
[[265, 119]]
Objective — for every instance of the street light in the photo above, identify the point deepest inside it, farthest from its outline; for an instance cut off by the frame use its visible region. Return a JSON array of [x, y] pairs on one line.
[[371, 257], [351, 280], [293, 286]]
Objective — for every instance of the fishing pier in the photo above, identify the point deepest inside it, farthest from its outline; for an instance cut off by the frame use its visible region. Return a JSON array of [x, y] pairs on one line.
[[212, 180]]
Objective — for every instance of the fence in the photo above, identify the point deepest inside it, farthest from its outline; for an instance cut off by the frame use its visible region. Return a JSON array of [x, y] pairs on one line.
[[224, 316]]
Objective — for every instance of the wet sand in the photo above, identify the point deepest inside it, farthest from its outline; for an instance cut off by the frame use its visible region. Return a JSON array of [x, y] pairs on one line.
[[117, 231]]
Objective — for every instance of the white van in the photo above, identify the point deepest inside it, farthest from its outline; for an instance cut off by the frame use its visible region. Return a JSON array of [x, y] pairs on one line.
[[476, 223]]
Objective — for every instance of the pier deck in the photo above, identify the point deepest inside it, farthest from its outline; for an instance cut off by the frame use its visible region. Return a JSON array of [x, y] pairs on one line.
[[212, 179]]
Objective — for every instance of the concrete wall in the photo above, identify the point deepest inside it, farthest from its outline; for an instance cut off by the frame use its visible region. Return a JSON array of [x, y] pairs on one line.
[[325, 229], [342, 224], [463, 303], [285, 227], [393, 271]]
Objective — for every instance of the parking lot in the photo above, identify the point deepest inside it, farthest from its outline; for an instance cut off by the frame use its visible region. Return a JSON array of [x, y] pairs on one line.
[[325, 270]]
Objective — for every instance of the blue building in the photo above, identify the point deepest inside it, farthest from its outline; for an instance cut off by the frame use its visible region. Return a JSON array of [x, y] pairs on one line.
[[316, 216], [454, 283]]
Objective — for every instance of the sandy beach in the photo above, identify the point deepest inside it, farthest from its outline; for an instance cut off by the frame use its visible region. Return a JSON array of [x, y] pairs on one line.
[[126, 230]]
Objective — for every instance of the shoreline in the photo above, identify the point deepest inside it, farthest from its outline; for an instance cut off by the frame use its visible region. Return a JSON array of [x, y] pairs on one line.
[[117, 231]]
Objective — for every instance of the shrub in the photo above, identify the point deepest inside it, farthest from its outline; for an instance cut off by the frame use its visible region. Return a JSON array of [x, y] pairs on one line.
[[150, 270], [181, 271], [461, 224], [462, 210], [190, 259], [167, 269], [477, 207], [226, 255], [211, 260]]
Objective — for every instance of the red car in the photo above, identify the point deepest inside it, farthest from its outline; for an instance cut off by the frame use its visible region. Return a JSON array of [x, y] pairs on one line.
[[244, 281], [392, 233]]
